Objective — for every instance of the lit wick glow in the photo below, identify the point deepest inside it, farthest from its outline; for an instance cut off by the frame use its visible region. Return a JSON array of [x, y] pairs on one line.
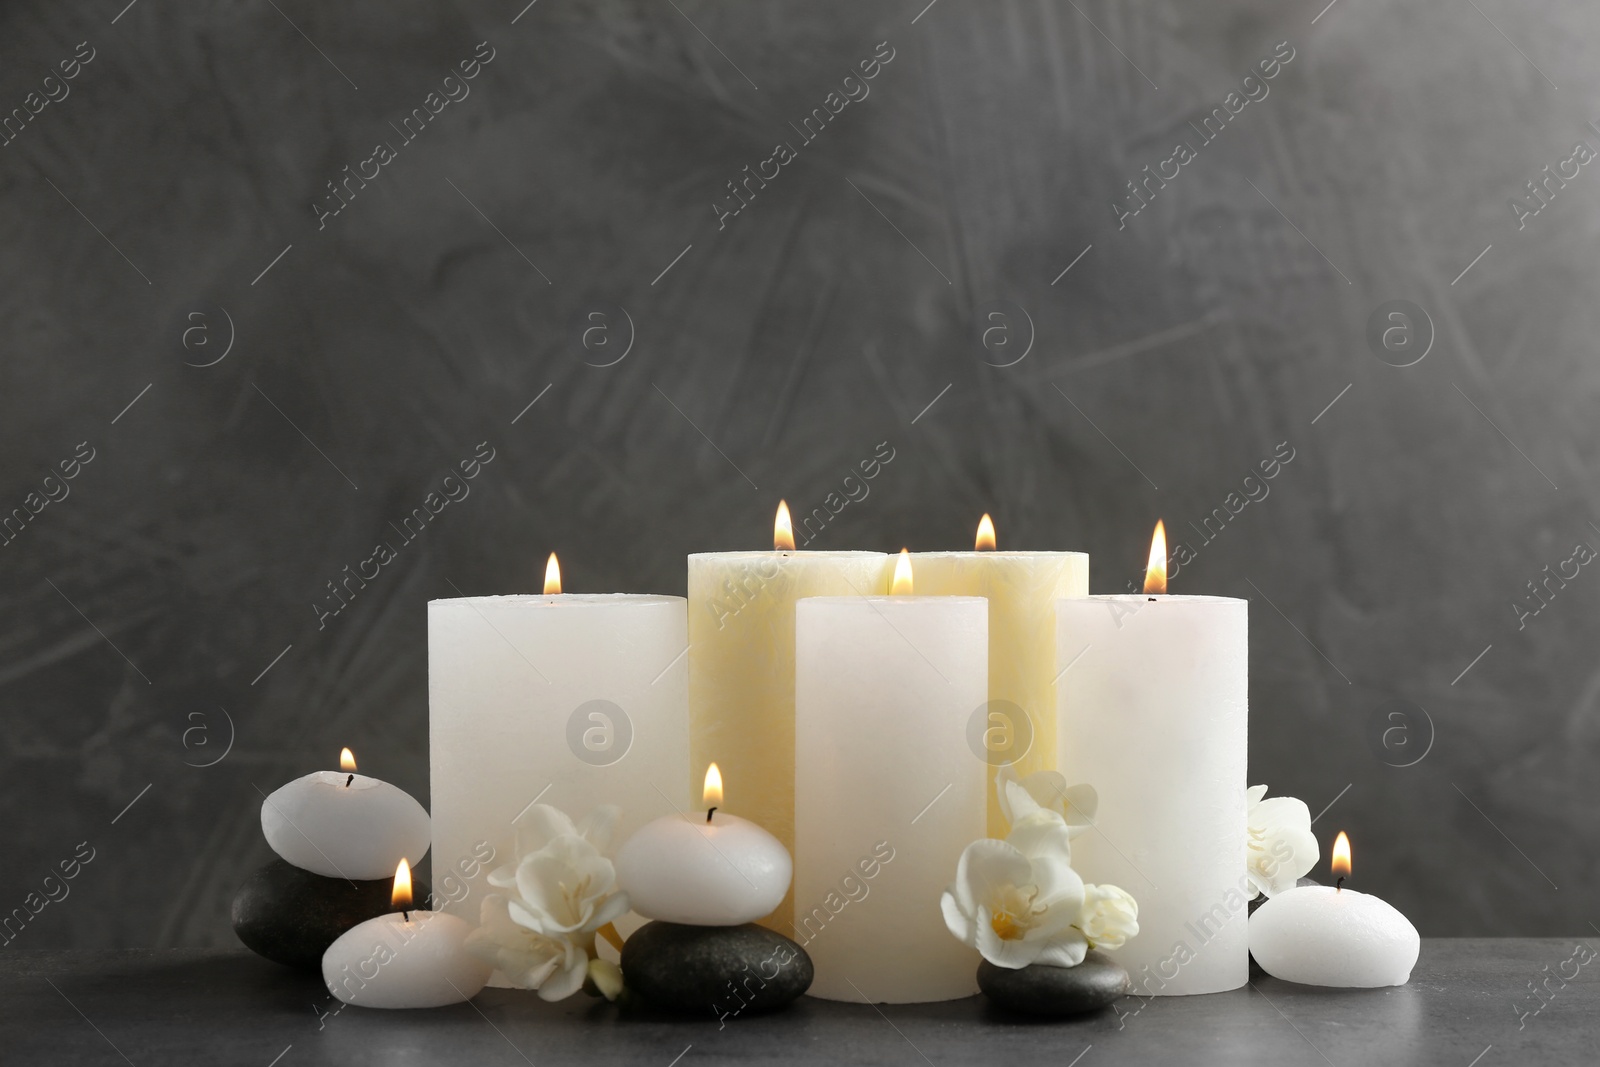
[[902, 574], [986, 541], [400, 896], [1155, 574], [1341, 859], [552, 575], [711, 795], [783, 529], [347, 762]]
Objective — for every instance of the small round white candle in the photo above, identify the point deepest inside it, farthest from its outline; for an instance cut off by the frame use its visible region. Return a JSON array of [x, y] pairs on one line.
[[345, 825], [407, 959], [716, 870], [1329, 936]]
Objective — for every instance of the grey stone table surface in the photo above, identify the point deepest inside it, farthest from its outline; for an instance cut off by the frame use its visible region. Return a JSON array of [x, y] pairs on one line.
[[1470, 1003]]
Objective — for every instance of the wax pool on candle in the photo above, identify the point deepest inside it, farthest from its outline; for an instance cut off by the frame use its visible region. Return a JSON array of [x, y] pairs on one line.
[[1154, 715], [1022, 589], [574, 700], [887, 791], [344, 825], [1330, 936], [741, 667], [689, 868], [406, 959]]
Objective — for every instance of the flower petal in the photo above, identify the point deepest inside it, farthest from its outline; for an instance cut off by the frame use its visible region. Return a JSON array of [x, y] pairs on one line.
[[1067, 951], [985, 867], [1255, 793], [963, 926], [597, 826], [609, 910], [1014, 954], [568, 980], [538, 826], [1006, 773]]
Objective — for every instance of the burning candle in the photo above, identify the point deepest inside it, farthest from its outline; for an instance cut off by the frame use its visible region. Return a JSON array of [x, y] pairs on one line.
[[1022, 588], [741, 666], [572, 699], [406, 959], [710, 870], [1154, 714], [887, 791], [344, 825], [1333, 936]]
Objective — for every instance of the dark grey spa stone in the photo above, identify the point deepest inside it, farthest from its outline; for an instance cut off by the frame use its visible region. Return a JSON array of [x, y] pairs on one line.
[[715, 971], [1054, 992], [291, 916]]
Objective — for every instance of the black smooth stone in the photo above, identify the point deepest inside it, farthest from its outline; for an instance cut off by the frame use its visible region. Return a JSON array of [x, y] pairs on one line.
[[291, 916], [716, 971], [1055, 992]]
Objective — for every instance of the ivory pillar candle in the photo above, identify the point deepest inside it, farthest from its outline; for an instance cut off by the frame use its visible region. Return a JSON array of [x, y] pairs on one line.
[[741, 669], [1154, 715], [887, 791], [1022, 589], [576, 700]]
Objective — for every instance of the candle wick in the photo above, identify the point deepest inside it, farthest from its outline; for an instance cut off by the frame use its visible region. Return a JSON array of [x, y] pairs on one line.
[[406, 915], [348, 780], [1338, 886], [709, 813]]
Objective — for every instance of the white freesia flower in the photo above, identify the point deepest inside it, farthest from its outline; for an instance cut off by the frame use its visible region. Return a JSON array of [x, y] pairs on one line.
[[555, 966], [1016, 901], [567, 887], [540, 935], [1282, 847], [1109, 916], [1022, 800]]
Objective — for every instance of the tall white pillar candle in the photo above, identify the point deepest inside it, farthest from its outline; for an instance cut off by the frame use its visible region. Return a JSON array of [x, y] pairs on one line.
[[574, 700], [1022, 589], [741, 669], [1154, 715], [887, 791]]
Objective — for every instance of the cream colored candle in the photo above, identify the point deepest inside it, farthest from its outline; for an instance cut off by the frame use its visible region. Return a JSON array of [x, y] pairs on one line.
[[1022, 588], [741, 669], [1154, 715], [887, 791], [575, 700]]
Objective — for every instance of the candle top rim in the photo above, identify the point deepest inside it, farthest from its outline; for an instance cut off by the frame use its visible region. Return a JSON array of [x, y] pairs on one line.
[[564, 599], [963, 552], [877, 600], [336, 779], [804, 552], [1145, 597]]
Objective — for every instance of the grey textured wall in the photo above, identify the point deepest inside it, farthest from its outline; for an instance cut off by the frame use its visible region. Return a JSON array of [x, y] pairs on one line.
[[162, 209]]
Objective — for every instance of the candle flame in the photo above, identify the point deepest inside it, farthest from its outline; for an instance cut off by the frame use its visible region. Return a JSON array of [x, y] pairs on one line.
[[1341, 855], [1155, 574], [552, 575], [400, 897], [711, 796], [986, 542], [783, 529], [902, 574], [347, 760]]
